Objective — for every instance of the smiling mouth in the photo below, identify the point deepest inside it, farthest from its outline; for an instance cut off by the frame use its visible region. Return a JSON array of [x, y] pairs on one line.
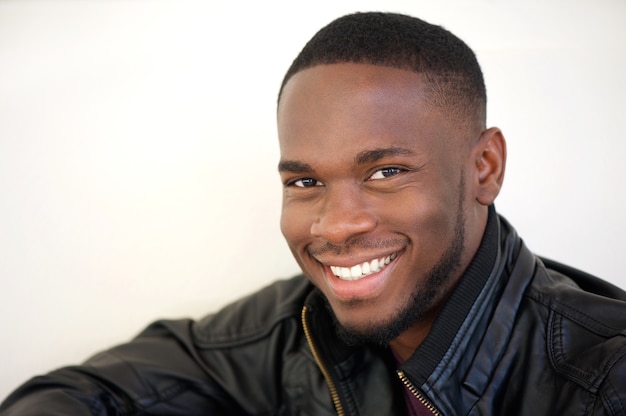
[[359, 271]]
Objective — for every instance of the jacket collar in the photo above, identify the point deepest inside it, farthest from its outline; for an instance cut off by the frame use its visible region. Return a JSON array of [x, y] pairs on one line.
[[458, 308], [456, 362]]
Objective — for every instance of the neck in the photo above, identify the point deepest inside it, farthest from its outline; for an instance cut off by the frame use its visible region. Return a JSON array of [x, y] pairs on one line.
[[405, 344]]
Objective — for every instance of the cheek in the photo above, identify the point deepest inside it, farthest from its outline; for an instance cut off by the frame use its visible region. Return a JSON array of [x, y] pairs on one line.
[[428, 222], [416, 207], [295, 227], [294, 224]]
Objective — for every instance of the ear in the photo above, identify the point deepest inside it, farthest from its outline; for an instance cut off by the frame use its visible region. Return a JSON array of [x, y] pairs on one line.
[[490, 161]]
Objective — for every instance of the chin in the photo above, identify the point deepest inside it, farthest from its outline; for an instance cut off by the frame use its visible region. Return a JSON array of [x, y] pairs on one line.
[[373, 330]]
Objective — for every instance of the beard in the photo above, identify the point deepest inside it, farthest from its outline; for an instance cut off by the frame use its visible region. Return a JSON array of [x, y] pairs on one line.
[[421, 301]]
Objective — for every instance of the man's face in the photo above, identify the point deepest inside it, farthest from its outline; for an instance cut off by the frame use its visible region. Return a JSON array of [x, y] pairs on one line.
[[374, 185]]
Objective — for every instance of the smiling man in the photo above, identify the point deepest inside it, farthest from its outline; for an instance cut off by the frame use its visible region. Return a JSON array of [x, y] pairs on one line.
[[386, 197], [416, 296]]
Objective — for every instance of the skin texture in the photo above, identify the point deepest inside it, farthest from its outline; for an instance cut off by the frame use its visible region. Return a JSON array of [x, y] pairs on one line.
[[370, 170]]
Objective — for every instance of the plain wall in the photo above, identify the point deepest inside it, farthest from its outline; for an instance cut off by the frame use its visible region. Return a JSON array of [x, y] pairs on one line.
[[138, 152]]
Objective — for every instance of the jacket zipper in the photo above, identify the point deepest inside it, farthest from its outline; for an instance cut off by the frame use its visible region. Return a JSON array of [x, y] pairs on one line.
[[331, 384], [405, 380]]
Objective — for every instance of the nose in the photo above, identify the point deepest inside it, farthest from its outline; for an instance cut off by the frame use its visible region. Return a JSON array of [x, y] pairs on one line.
[[344, 213]]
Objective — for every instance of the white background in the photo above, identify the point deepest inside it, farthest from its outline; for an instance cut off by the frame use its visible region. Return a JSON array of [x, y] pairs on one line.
[[138, 152]]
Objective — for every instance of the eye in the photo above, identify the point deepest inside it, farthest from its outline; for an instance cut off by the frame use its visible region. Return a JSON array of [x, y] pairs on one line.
[[386, 173], [305, 183]]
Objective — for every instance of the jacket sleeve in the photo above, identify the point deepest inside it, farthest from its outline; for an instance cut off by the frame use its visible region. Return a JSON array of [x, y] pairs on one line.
[[159, 372], [613, 390]]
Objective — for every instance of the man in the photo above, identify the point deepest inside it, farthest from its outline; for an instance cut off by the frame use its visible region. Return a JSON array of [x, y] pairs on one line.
[[418, 298]]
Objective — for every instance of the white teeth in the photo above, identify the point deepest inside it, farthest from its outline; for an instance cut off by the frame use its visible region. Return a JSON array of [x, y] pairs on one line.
[[361, 270], [374, 266]]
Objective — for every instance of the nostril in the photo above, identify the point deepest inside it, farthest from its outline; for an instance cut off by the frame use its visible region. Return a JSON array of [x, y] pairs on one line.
[[337, 228]]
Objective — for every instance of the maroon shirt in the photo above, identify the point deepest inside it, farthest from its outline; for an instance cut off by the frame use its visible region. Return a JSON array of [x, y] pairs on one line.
[[413, 405]]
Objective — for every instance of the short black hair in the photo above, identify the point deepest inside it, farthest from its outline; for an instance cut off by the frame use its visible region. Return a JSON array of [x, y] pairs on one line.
[[450, 67]]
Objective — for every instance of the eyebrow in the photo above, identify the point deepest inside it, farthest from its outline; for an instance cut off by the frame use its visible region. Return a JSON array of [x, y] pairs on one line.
[[294, 166], [362, 158], [371, 156]]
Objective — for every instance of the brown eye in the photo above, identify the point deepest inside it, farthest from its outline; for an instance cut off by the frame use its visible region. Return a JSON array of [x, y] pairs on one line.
[[306, 183], [385, 173]]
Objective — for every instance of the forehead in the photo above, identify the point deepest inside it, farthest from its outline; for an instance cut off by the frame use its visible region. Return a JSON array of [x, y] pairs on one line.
[[330, 86], [359, 106]]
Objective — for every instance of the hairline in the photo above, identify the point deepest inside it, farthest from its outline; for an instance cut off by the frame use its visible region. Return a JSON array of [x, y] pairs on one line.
[[436, 94]]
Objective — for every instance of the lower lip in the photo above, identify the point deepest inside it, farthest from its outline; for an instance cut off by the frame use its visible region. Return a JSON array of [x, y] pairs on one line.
[[364, 288]]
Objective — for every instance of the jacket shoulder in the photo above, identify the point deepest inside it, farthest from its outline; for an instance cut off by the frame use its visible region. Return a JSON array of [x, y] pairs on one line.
[[587, 301], [254, 316], [585, 329], [585, 281]]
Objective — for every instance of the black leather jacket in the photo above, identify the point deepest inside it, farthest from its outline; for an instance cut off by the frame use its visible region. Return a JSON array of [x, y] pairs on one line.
[[518, 336]]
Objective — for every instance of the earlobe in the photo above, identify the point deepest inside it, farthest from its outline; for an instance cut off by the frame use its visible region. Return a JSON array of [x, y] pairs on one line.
[[490, 165]]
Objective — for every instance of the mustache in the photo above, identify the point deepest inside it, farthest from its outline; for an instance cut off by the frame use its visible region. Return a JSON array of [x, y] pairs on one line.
[[356, 243]]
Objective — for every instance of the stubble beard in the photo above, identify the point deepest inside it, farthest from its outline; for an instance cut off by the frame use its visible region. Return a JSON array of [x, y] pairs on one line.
[[424, 298]]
